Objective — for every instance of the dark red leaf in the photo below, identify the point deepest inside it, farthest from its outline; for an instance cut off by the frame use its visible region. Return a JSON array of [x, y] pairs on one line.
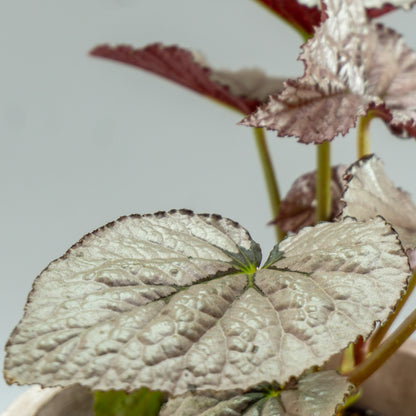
[[243, 90], [386, 8], [297, 210]]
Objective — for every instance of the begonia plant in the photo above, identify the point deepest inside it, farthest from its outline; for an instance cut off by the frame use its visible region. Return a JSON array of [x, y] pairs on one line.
[[179, 314]]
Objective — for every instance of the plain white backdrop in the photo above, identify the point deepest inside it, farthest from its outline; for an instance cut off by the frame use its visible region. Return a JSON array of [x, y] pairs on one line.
[[84, 140]]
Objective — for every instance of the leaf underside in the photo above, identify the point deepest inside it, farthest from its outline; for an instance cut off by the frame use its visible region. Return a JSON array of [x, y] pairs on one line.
[[242, 90], [172, 301], [297, 209], [351, 66], [315, 394]]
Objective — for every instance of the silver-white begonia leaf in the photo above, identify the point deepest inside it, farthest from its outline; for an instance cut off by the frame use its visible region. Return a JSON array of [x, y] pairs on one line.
[[329, 97], [173, 301], [369, 4], [318, 393], [370, 192]]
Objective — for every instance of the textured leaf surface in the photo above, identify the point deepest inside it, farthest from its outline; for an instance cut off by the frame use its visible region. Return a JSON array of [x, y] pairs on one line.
[[370, 192], [305, 14], [243, 90], [297, 209], [315, 394], [173, 301], [351, 66], [142, 402], [370, 4]]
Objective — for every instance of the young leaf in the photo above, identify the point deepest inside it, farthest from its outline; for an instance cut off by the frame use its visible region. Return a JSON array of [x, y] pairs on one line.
[[297, 210], [318, 393], [243, 90], [142, 402], [173, 301], [351, 66], [370, 4], [370, 192], [305, 14]]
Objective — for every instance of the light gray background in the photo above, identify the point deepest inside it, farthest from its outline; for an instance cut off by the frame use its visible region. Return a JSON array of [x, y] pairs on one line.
[[84, 141]]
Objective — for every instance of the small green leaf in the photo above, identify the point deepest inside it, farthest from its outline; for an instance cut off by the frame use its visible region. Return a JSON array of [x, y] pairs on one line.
[[320, 393], [142, 402]]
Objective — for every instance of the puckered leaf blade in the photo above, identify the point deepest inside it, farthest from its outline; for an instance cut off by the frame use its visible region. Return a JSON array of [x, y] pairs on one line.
[[107, 301], [377, 5], [313, 112], [243, 90], [316, 278], [305, 14], [316, 393], [297, 209], [329, 97], [172, 301], [370, 192]]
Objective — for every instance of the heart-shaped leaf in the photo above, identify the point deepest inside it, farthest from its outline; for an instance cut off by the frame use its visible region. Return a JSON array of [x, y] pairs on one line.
[[173, 301], [370, 192], [352, 66], [297, 209], [242, 90], [315, 394]]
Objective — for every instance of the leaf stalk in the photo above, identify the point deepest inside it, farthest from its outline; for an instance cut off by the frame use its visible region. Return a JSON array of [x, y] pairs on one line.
[[363, 135], [380, 333], [269, 177], [323, 183], [384, 351]]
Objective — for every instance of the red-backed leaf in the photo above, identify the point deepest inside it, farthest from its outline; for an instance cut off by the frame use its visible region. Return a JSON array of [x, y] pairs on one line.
[[297, 210], [351, 66], [374, 12], [243, 90]]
